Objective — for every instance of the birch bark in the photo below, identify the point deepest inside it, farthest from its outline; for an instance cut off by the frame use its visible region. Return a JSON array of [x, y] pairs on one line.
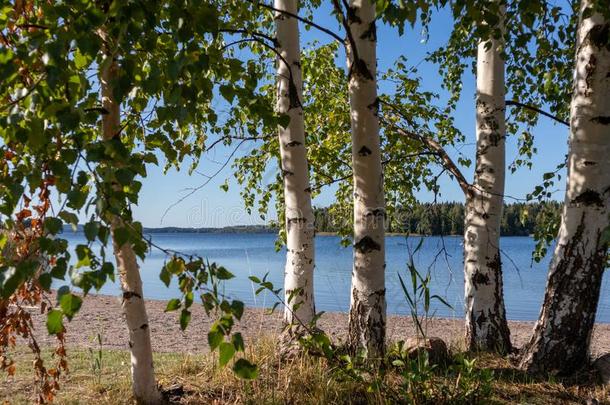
[[298, 276], [560, 342], [367, 317], [142, 370], [486, 326]]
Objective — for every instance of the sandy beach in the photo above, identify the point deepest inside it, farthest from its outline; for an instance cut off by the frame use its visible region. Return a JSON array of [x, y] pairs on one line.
[[102, 314]]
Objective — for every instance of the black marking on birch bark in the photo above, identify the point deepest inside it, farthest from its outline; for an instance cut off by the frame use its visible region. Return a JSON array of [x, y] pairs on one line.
[[287, 173], [590, 71], [292, 144], [293, 94], [495, 264], [297, 64], [589, 163], [602, 120], [364, 151], [370, 33], [495, 137], [301, 220], [352, 15], [480, 320], [374, 106], [144, 326], [366, 245], [478, 278], [599, 36], [376, 213], [359, 68], [481, 214], [589, 197], [308, 190], [481, 104], [130, 294], [294, 220], [130, 343]]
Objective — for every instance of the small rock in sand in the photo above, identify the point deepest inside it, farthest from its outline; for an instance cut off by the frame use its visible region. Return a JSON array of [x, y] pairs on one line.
[[434, 346]]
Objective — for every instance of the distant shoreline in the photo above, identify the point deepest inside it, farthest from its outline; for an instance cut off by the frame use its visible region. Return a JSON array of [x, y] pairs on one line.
[[237, 229], [258, 229]]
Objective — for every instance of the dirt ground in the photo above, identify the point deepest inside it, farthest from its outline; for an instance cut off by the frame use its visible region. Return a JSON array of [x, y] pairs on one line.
[[102, 314]]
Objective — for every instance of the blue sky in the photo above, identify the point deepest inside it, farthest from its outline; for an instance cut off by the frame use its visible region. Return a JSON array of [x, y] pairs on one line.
[[212, 207]]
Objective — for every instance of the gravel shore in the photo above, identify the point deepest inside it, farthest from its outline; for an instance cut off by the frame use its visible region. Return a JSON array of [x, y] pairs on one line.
[[102, 314]]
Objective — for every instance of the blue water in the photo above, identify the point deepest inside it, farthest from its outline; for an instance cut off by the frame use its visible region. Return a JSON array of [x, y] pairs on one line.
[[254, 254]]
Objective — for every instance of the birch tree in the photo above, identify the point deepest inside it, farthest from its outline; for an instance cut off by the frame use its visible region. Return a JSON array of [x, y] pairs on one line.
[[486, 326], [142, 369], [298, 278], [560, 342], [479, 33], [367, 315]]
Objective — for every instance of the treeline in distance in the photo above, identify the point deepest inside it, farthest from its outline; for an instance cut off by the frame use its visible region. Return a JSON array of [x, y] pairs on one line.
[[447, 218]]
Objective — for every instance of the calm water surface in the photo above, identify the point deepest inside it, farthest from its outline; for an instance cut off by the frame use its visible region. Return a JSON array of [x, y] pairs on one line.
[[254, 254]]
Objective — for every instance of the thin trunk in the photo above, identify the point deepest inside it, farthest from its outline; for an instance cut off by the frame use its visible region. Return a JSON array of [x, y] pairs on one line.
[[486, 326], [560, 342], [298, 277], [367, 317], [142, 371]]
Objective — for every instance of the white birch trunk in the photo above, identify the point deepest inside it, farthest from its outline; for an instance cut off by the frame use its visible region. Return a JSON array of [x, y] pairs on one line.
[[367, 317], [560, 342], [298, 276], [142, 371], [486, 327]]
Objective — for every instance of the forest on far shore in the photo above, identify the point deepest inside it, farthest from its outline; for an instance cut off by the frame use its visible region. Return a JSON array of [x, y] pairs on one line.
[[447, 218]]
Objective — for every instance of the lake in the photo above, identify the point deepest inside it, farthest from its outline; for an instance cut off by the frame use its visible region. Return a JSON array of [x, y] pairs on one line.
[[254, 254]]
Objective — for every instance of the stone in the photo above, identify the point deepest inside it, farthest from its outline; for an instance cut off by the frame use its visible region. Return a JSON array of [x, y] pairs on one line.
[[434, 346]]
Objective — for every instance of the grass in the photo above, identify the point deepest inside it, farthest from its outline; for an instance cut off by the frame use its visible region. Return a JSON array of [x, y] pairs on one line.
[[194, 379]]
